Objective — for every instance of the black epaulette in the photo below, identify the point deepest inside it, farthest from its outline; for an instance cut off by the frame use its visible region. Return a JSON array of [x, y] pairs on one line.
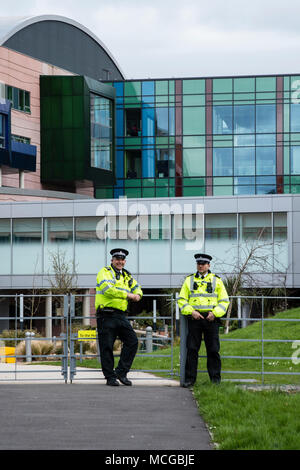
[[127, 272], [217, 276]]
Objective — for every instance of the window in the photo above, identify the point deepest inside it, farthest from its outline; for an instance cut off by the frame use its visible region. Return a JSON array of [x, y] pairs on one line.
[[133, 164], [165, 121], [20, 138], [133, 122], [165, 163], [222, 119], [101, 132], [244, 119], [2, 131], [222, 162], [20, 99]]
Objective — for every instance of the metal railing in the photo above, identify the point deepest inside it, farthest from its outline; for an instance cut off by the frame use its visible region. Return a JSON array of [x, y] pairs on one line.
[[19, 330], [262, 340], [72, 353]]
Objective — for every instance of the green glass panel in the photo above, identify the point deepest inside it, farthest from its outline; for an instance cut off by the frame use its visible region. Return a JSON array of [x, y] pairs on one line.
[[224, 98], [171, 87], [193, 100], [194, 141], [162, 182], [194, 182], [265, 84], [104, 193], [286, 82], [295, 138], [172, 192], [148, 182], [67, 111], [222, 85], [148, 192], [286, 154], [193, 121], [77, 84], [132, 141], [244, 84], [161, 100], [56, 87], [162, 146], [78, 112], [133, 192], [244, 98], [162, 141], [223, 191], [194, 162], [193, 86], [162, 192], [172, 140], [67, 86], [223, 144], [132, 102], [134, 183], [200, 191], [171, 99], [162, 87], [132, 89], [56, 112]]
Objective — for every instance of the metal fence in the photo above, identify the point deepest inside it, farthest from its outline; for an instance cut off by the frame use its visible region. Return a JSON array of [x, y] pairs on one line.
[[243, 321], [22, 345]]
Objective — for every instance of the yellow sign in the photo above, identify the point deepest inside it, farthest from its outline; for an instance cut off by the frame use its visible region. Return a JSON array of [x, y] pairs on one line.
[[87, 335]]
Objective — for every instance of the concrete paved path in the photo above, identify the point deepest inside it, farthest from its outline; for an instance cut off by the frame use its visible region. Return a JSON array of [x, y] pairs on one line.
[[87, 415]]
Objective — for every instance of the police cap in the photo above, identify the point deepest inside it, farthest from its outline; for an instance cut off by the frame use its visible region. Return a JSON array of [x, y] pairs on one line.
[[202, 258], [119, 252]]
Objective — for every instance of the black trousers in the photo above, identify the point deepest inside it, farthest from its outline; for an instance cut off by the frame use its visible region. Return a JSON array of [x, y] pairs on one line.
[[196, 330], [110, 326]]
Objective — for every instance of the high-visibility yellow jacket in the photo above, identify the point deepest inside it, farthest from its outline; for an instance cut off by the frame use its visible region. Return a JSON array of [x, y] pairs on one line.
[[112, 292], [195, 295]]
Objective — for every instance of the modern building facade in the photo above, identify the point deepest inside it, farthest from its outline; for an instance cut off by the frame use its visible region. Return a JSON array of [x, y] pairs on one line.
[[163, 167]]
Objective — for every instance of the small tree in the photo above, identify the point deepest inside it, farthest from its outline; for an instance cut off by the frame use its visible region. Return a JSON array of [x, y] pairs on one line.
[[253, 258], [63, 281]]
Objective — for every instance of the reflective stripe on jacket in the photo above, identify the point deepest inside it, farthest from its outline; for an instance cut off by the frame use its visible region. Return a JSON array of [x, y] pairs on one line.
[[194, 295], [112, 292]]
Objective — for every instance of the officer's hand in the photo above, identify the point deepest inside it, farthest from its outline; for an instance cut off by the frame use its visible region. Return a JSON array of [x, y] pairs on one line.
[[210, 316], [133, 297], [196, 315]]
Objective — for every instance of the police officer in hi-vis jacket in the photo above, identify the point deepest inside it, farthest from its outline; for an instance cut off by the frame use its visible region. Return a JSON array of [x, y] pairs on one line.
[[115, 286], [204, 300]]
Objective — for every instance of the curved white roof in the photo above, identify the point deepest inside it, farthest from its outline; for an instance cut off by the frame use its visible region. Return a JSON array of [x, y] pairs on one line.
[[10, 25]]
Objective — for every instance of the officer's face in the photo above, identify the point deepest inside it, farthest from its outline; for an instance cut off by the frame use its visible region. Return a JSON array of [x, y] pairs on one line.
[[203, 267], [118, 262]]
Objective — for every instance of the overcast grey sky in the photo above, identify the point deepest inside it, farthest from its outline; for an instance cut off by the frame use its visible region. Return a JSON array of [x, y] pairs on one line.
[[185, 38]]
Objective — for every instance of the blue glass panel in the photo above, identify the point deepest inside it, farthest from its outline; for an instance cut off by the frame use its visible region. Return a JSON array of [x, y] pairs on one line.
[[266, 139], [265, 118], [295, 160], [120, 122], [162, 121], [148, 121], [244, 161], [120, 164], [244, 119], [266, 185], [222, 119], [119, 86], [244, 140], [295, 118], [147, 88], [148, 163], [172, 121], [265, 161], [222, 162], [244, 185]]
